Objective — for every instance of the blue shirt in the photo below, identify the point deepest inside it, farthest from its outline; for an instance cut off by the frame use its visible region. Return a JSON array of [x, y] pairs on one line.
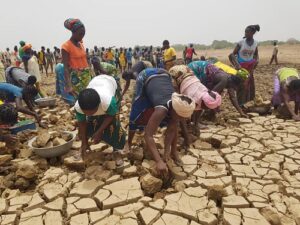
[[11, 91], [129, 56]]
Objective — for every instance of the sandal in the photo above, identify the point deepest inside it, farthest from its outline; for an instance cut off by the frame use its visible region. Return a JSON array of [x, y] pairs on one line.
[[178, 162], [77, 157]]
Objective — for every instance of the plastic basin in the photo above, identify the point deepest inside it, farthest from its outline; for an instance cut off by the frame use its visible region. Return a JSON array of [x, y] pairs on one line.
[[23, 125]]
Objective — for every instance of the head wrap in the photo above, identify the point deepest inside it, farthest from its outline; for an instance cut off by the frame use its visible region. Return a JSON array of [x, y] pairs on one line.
[[211, 102], [180, 72], [181, 106], [22, 43], [73, 24], [26, 47]]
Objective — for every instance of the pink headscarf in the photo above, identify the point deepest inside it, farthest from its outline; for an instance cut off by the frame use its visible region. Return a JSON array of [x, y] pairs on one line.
[[211, 102]]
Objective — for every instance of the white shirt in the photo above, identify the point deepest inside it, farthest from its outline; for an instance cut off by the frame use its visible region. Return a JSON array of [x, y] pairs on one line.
[[106, 87], [33, 68], [246, 52], [275, 50]]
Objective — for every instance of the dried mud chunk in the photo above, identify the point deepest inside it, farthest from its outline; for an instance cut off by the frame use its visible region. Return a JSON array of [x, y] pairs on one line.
[[34, 144], [55, 135], [58, 141], [53, 119], [43, 138], [66, 136]]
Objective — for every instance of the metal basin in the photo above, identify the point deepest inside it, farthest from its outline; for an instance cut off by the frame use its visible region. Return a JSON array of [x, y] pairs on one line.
[[55, 150]]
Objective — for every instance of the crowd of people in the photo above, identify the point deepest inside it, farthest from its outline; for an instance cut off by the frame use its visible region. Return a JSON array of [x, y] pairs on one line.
[[167, 91]]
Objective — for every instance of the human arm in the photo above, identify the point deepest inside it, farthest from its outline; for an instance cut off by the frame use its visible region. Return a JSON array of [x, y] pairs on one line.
[[112, 110], [234, 101], [29, 103], [194, 52], [25, 63], [22, 109], [285, 96], [98, 134], [127, 85], [232, 57], [185, 133], [8, 138], [297, 104], [65, 61], [82, 132], [256, 57], [171, 133], [151, 128], [222, 83]]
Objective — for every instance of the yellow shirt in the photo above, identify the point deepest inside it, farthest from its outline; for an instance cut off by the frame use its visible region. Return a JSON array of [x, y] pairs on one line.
[[110, 56], [169, 54]]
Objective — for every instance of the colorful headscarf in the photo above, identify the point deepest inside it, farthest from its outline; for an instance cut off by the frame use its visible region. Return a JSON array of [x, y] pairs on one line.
[[26, 47], [180, 72], [73, 24]]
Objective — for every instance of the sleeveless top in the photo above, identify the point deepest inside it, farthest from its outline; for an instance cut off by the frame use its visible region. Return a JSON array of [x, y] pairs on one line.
[[246, 52], [77, 55], [285, 73]]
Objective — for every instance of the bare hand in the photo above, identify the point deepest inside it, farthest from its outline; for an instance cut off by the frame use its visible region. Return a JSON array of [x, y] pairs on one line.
[[238, 67], [244, 115], [97, 137], [162, 167], [212, 94], [42, 125], [37, 117], [84, 148]]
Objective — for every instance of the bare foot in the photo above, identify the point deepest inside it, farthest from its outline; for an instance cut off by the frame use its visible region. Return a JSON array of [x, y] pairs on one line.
[[176, 159], [118, 158], [126, 150]]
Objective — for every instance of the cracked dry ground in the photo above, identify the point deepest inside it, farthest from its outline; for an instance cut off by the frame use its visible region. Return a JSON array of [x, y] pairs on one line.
[[246, 172]]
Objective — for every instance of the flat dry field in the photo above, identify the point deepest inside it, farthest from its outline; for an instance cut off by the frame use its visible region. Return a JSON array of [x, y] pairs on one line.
[[287, 53], [241, 173]]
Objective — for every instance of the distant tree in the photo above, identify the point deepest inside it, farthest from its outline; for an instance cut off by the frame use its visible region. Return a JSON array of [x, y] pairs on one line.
[[222, 44], [292, 41]]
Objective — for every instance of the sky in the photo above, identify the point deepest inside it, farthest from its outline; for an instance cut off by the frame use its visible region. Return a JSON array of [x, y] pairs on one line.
[[146, 22]]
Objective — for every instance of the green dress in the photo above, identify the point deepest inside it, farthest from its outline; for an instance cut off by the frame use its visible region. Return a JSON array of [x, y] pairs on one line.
[[114, 135]]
